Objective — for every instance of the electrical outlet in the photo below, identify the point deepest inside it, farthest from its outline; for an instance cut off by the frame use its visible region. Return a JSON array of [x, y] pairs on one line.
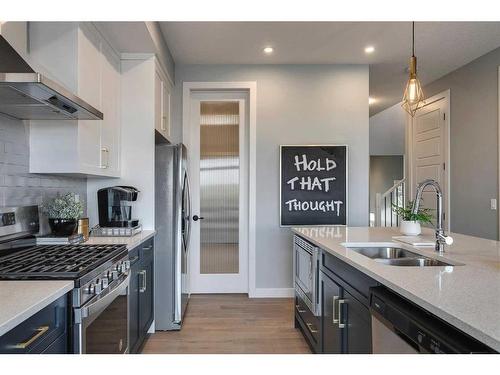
[[493, 204]]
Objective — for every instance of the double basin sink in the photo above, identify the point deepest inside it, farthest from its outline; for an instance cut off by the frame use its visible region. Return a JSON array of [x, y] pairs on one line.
[[396, 256]]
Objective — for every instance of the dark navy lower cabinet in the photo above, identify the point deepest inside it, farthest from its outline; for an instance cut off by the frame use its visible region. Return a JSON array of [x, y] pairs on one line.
[[133, 302], [345, 321], [343, 325], [146, 291], [141, 299], [308, 323], [345, 318], [45, 332], [330, 328], [357, 326]]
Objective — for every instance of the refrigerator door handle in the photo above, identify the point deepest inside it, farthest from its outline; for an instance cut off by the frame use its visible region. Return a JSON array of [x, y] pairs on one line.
[[188, 214]]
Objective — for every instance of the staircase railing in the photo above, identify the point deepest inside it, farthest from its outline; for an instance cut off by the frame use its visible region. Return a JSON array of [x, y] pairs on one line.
[[384, 215]]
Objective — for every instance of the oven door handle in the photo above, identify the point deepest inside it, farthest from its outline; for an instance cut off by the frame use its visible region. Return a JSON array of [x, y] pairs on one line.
[[99, 305]]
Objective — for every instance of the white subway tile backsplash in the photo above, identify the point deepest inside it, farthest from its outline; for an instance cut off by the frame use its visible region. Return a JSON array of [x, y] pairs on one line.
[[19, 181], [16, 148], [17, 185]]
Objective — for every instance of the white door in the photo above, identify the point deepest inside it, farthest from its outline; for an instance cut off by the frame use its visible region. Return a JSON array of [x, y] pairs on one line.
[[217, 154], [430, 140]]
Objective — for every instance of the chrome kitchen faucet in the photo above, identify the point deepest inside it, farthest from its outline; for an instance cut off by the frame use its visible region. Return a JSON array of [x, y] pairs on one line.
[[441, 237]]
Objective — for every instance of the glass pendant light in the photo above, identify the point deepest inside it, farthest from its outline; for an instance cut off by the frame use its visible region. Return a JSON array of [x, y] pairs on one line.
[[413, 97]]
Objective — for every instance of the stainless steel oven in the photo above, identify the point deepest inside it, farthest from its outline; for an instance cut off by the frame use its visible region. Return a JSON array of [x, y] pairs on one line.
[[306, 266], [101, 324]]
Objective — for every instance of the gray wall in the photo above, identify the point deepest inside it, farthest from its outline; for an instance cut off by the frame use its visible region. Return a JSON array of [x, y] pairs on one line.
[[17, 186], [383, 171], [315, 104], [473, 144], [387, 131]]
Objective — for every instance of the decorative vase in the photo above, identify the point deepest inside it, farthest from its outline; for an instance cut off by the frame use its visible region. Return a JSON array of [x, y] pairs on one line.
[[410, 228], [63, 227]]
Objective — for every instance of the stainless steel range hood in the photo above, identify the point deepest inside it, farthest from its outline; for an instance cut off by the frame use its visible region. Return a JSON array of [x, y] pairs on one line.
[[27, 95]]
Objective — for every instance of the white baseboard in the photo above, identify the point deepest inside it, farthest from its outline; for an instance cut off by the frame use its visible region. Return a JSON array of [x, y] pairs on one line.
[[152, 328], [272, 293]]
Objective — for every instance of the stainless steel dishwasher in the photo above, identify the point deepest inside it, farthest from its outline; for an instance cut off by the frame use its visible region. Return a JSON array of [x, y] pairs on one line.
[[401, 327]]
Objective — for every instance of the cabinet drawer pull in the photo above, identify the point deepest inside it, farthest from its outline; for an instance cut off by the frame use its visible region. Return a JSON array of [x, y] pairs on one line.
[[41, 331], [106, 151], [147, 247], [341, 303], [299, 310], [310, 328], [143, 287], [134, 259], [334, 319]]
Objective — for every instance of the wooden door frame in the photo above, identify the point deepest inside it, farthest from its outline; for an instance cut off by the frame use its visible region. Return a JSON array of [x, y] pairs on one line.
[[411, 190], [251, 88]]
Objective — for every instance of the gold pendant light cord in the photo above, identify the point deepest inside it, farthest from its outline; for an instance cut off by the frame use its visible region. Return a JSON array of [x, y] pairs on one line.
[[413, 38], [413, 96]]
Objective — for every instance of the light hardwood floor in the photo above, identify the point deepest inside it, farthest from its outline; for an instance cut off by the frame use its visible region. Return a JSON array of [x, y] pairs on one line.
[[232, 323]]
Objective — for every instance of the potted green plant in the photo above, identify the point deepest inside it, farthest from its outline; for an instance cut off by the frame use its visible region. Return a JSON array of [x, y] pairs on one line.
[[63, 213], [410, 222]]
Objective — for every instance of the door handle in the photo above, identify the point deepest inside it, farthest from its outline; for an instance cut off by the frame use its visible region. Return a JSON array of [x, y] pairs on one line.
[[147, 248], [196, 218], [334, 319], [40, 332], [299, 310], [341, 303], [143, 287], [104, 151], [310, 328]]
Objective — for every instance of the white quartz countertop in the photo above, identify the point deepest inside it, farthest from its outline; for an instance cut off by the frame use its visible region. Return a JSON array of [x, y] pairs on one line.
[[21, 299], [131, 242], [466, 296]]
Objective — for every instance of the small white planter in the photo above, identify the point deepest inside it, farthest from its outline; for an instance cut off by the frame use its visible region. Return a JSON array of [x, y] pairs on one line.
[[410, 228]]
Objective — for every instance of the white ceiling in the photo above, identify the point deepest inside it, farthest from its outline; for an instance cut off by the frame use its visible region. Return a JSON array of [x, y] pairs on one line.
[[441, 47]]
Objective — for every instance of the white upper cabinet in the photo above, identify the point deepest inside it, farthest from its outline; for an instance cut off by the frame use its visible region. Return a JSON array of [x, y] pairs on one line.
[[75, 55], [111, 101], [89, 75], [158, 102], [89, 66], [163, 90]]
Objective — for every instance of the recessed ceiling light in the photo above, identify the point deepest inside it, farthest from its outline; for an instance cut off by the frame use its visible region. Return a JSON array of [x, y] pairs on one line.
[[369, 49], [371, 100], [268, 50]]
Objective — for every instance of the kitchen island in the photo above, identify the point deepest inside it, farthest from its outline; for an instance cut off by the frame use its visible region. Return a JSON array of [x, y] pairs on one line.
[[465, 294]]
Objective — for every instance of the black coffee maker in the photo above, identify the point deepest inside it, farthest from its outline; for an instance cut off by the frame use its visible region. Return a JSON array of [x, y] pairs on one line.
[[114, 206]]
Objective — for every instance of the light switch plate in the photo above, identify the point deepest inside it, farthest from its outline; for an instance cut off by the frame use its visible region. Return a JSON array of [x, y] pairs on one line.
[[493, 204]]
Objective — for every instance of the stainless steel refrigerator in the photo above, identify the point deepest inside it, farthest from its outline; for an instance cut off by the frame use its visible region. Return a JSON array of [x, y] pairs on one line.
[[172, 222]]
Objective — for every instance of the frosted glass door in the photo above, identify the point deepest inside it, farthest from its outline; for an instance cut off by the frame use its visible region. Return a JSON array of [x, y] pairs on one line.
[[219, 187]]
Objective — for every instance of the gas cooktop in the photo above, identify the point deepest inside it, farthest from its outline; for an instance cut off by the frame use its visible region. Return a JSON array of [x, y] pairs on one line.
[[57, 261]]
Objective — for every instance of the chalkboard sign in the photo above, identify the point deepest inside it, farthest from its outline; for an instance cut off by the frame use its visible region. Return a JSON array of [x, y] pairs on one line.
[[313, 188]]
